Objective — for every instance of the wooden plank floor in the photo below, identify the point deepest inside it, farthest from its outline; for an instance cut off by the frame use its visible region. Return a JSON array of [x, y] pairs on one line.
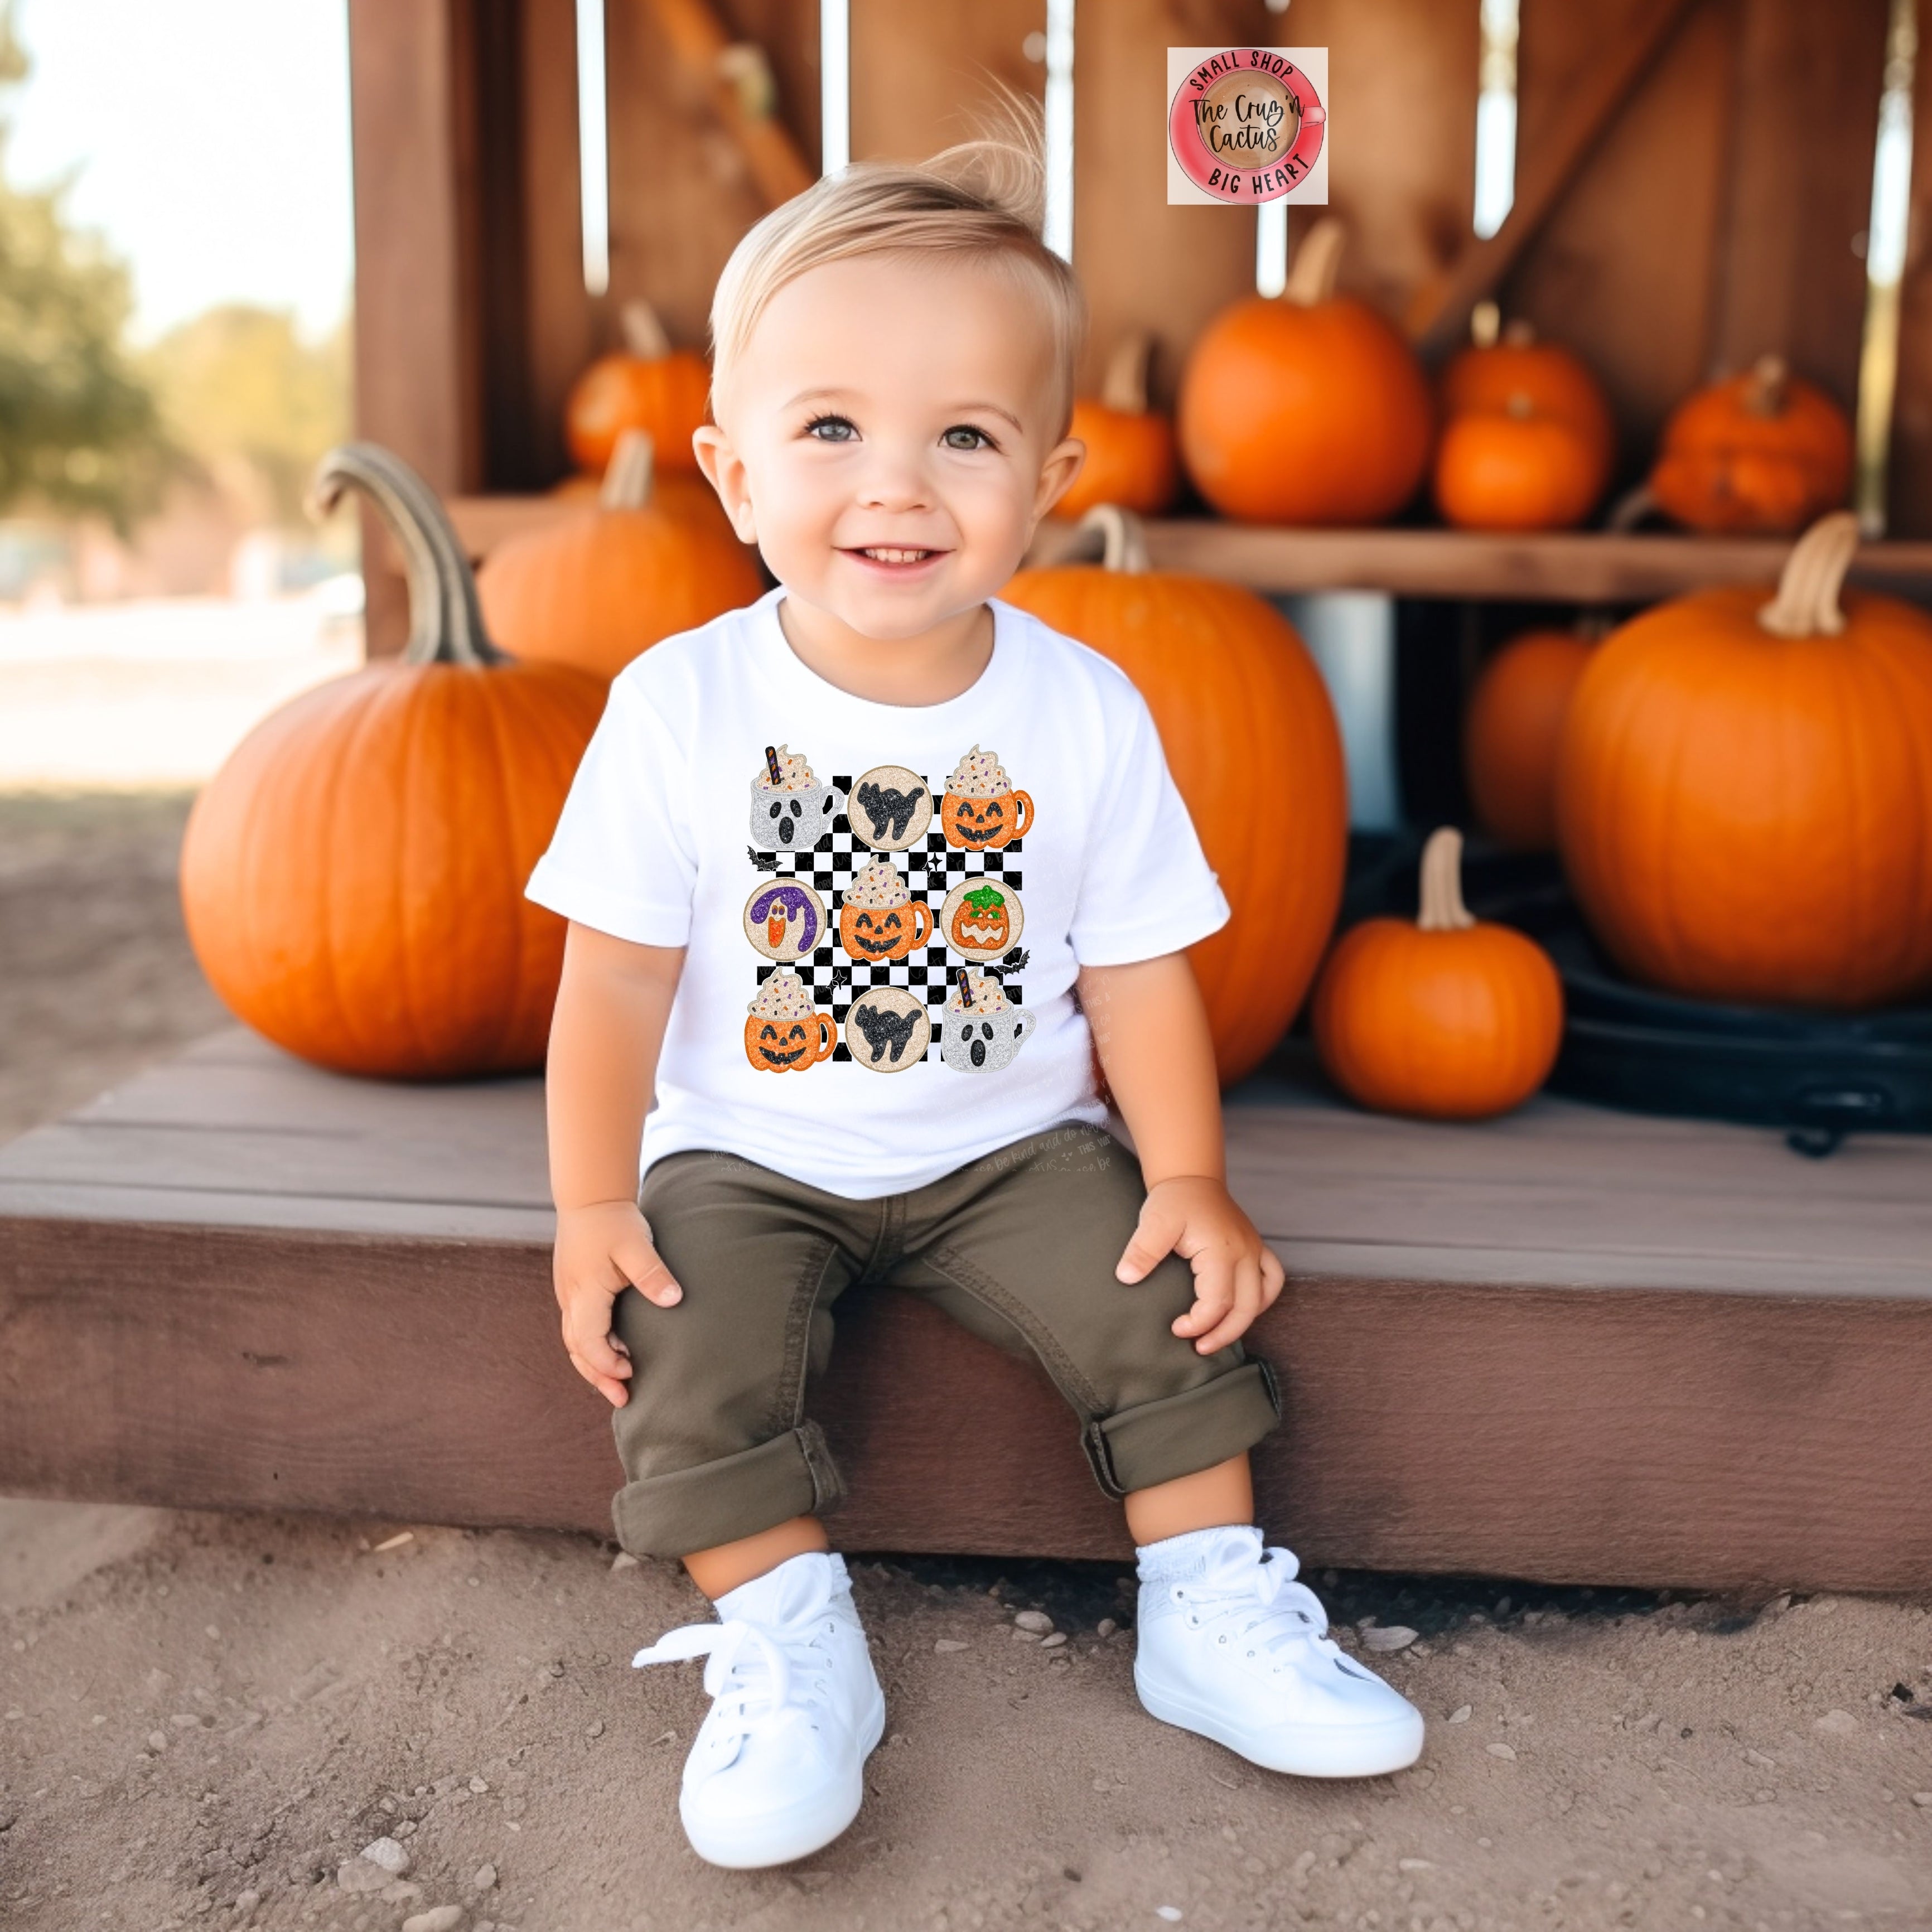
[[1574, 1344]]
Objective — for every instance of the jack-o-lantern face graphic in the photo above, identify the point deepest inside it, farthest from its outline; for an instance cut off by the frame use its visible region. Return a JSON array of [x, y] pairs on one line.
[[982, 918], [788, 1046], [986, 824], [884, 932]]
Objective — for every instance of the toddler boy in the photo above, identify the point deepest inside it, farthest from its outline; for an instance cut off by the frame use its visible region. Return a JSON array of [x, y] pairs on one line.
[[859, 880]]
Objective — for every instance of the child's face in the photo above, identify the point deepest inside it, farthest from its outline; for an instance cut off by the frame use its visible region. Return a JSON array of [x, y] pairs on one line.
[[888, 439]]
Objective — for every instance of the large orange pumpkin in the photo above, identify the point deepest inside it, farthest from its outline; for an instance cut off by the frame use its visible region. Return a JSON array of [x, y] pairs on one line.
[[353, 877], [1250, 736], [597, 591], [1510, 361], [1445, 1016], [1510, 732], [1743, 790], [1308, 407], [1130, 456], [647, 385], [1763, 451]]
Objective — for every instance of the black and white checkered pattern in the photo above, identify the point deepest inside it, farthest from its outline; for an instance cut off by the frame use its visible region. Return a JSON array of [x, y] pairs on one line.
[[931, 868]]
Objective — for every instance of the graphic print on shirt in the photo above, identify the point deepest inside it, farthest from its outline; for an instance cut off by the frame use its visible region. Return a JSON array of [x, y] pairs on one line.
[[790, 811], [981, 1033], [882, 876], [786, 1034], [784, 919], [981, 811], [887, 1030], [981, 919], [890, 808], [879, 918]]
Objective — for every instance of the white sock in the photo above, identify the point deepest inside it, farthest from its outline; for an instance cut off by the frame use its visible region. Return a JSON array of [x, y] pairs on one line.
[[1189, 1555]]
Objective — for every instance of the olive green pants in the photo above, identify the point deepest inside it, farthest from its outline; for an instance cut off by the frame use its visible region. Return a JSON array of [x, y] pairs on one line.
[[1020, 1247]]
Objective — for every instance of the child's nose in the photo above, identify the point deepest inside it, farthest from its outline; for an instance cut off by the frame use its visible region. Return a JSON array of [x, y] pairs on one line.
[[893, 481]]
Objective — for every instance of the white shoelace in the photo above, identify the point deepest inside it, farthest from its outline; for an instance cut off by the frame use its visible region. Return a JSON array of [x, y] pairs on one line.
[[1268, 1609], [753, 1670]]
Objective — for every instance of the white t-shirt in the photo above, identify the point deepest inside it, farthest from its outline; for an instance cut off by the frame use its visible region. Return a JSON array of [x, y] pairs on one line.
[[878, 985]]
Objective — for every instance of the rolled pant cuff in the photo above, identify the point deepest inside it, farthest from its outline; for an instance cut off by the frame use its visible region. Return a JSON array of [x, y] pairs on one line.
[[793, 1474], [1182, 1435]]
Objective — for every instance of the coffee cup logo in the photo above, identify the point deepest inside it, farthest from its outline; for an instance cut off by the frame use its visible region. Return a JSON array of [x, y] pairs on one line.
[[1246, 124], [786, 1034], [981, 812]]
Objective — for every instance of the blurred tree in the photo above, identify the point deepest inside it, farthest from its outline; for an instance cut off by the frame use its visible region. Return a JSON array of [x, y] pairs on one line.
[[239, 385], [79, 429]]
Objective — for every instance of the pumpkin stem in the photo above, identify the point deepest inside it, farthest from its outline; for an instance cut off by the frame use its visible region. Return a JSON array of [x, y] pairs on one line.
[[643, 335], [1520, 333], [1486, 323], [627, 482], [1124, 385], [1769, 387], [445, 620], [1317, 261], [1442, 909], [1518, 406], [1123, 536], [1806, 603], [1630, 508]]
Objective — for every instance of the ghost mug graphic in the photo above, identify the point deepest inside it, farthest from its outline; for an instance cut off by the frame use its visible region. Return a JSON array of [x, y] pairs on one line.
[[980, 1032], [790, 810]]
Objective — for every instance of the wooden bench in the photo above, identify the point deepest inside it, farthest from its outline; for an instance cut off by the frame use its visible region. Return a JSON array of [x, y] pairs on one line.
[[1573, 1344]]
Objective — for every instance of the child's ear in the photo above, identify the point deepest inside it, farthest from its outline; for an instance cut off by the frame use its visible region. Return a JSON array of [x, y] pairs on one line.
[[1064, 462], [724, 469]]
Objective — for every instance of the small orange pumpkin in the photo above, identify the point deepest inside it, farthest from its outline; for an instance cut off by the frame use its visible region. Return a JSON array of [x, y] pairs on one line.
[[1250, 737], [1510, 732], [1130, 453], [1744, 789], [789, 1046], [1308, 407], [598, 590], [1764, 451], [1505, 361], [352, 877], [1445, 1016], [869, 933], [647, 385], [1514, 468]]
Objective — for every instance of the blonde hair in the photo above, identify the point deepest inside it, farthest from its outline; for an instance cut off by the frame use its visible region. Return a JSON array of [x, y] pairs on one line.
[[982, 201]]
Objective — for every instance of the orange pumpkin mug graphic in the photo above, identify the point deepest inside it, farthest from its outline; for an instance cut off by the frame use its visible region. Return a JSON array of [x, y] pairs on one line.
[[981, 812], [879, 918], [786, 1034]]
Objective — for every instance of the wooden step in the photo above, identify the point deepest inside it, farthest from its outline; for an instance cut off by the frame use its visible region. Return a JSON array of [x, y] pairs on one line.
[[1574, 1345]]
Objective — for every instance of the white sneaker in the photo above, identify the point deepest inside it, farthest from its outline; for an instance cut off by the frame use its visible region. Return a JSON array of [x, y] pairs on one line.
[[778, 1768], [1232, 1646]]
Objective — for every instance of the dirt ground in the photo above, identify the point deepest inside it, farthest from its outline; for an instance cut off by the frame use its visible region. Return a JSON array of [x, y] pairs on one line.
[[204, 1719]]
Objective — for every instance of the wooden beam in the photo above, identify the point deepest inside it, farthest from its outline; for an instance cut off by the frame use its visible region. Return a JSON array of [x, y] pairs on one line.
[[1440, 310], [415, 364], [1909, 474]]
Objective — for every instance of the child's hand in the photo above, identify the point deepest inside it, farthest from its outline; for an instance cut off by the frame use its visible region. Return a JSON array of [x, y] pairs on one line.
[[1236, 1275], [600, 1250]]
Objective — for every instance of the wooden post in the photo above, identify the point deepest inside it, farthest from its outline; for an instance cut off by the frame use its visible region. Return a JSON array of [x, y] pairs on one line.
[[414, 361]]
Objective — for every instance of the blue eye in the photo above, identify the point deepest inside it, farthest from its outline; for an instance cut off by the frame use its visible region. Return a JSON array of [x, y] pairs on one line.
[[965, 436], [832, 429]]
